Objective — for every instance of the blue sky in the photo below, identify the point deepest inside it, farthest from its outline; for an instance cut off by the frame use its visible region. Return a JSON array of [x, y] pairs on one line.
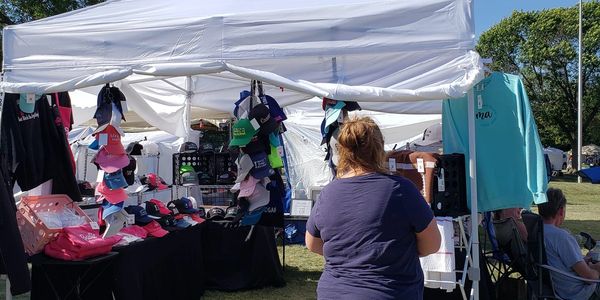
[[490, 12]]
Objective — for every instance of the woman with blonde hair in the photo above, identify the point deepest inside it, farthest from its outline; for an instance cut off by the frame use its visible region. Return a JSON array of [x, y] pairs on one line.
[[371, 227]]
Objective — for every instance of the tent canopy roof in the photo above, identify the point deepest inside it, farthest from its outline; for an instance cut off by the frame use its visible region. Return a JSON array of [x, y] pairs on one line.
[[170, 55]]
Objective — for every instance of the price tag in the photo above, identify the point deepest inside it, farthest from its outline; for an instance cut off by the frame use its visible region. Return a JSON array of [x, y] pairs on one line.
[[49, 98], [420, 165], [441, 182], [479, 102], [100, 176], [94, 225], [103, 139], [175, 211], [280, 151], [392, 164], [255, 124], [30, 98]]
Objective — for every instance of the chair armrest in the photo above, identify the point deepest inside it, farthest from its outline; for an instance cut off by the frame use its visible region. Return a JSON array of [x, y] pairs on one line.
[[559, 271]]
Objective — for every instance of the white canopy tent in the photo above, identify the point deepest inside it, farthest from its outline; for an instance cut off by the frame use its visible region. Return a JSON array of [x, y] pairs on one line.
[[173, 57]]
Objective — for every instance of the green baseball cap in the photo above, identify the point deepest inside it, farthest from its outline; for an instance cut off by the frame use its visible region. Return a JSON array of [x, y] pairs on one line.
[[243, 131], [186, 168]]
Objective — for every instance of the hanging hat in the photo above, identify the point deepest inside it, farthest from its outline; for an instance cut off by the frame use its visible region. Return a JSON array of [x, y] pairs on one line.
[[110, 162], [113, 140], [261, 167], [244, 165], [109, 208], [112, 118], [333, 113], [262, 114], [243, 105], [275, 110], [243, 131]]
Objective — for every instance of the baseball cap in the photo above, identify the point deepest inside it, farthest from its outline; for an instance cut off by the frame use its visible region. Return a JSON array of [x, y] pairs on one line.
[[149, 148], [262, 114], [154, 229], [94, 145], [156, 208], [259, 198], [107, 97], [252, 217], [257, 144], [431, 135], [109, 208], [155, 182], [115, 180], [244, 165], [261, 167], [114, 120], [184, 206], [134, 148], [207, 147], [350, 105], [110, 162], [129, 170], [113, 140], [189, 179], [27, 106], [248, 186], [112, 196], [215, 214], [332, 113], [231, 212], [141, 215], [242, 106], [182, 223], [243, 130], [188, 147], [275, 110]]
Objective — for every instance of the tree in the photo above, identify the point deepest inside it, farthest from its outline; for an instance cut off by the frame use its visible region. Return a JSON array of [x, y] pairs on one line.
[[541, 47], [20, 11]]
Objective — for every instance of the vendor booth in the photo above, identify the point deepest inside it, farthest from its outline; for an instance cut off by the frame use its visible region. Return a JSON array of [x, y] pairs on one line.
[[174, 61]]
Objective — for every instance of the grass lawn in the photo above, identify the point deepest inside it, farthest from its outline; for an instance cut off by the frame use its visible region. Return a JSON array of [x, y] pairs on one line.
[[303, 268]]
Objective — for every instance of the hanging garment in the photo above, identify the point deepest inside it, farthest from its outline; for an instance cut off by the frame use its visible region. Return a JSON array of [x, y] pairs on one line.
[[63, 102], [12, 254], [510, 161], [37, 149]]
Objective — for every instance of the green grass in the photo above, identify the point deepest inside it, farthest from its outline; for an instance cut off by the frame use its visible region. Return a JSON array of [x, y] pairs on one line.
[[303, 268]]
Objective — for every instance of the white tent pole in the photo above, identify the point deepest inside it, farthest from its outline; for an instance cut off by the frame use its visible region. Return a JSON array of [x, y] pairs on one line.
[[474, 270], [188, 106], [186, 90]]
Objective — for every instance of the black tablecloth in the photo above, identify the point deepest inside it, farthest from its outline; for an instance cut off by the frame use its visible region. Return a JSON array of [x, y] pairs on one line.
[[232, 263], [180, 265]]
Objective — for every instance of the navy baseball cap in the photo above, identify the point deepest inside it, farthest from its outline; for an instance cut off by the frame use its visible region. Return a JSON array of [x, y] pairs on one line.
[[182, 223], [275, 110], [261, 168], [141, 216], [115, 180], [184, 205]]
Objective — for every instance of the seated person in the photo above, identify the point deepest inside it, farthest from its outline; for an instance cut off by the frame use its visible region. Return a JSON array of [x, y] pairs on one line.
[[514, 213], [563, 252]]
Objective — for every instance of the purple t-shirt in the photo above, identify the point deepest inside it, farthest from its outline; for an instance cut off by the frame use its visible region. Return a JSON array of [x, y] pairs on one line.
[[368, 225]]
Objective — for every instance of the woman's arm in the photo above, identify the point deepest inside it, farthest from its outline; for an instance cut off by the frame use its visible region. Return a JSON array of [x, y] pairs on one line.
[[313, 244], [428, 240]]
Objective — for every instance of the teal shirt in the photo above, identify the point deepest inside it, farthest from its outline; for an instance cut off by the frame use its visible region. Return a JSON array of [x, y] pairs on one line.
[[511, 170]]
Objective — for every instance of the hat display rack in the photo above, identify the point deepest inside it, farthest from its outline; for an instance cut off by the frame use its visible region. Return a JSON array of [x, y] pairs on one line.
[[336, 112], [110, 159], [257, 133]]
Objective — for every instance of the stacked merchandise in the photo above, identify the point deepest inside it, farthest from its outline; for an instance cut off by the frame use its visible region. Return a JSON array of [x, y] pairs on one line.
[[336, 111], [259, 185], [110, 159]]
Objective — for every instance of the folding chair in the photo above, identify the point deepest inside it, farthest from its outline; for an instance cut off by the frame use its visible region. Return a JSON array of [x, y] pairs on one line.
[[540, 285], [497, 262], [510, 242]]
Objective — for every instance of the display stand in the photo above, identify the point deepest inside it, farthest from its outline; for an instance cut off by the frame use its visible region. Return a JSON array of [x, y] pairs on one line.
[[8, 295]]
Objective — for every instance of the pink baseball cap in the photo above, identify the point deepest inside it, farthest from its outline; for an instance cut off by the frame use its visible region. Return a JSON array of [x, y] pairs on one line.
[[155, 181], [162, 208], [259, 198], [154, 229], [247, 186], [110, 163], [113, 196]]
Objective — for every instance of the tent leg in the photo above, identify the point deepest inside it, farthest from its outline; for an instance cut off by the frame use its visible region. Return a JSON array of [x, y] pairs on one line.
[[7, 291], [188, 107], [474, 274]]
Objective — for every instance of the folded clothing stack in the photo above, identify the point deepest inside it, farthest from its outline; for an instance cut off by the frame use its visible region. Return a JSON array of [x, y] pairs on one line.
[[79, 243]]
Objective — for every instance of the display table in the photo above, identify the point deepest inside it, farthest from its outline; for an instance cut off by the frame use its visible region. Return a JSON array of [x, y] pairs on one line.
[[180, 265]]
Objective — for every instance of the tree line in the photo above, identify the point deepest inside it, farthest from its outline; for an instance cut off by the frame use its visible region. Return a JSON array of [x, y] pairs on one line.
[[540, 46]]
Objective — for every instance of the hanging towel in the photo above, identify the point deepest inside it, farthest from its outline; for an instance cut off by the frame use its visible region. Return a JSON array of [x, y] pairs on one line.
[[440, 265]]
